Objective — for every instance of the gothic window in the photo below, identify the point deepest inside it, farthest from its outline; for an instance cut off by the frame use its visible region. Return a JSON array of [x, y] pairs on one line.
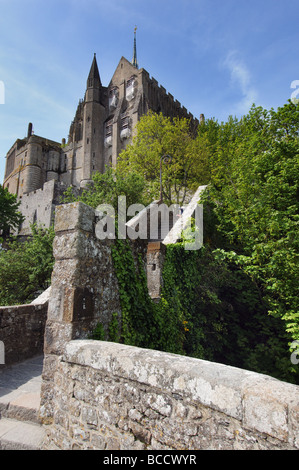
[[113, 98], [131, 81], [131, 88], [108, 133], [124, 126]]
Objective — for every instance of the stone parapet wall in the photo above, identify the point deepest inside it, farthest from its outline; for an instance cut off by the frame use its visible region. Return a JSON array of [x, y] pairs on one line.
[[84, 289], [116, 397], [22, 330]]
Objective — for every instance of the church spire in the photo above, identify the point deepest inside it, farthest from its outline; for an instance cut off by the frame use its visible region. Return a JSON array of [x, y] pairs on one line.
[[94, 80], [134, 61]]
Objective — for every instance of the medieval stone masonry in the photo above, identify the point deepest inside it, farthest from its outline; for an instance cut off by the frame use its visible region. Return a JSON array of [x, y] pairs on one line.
[[107, 396], [39, 170], [100, 395]]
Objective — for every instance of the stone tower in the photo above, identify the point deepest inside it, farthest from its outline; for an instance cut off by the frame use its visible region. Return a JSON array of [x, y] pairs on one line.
[[93, 118], [39, 170]]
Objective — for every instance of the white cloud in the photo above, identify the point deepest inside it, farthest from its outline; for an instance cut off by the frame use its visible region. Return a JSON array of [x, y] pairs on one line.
[[241, 81]]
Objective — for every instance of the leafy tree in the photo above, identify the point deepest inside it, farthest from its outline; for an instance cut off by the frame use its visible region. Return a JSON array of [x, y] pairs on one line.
[[26, 267], [254, 195], [212, 310], [107, 187], [156, 136], [10, 217]]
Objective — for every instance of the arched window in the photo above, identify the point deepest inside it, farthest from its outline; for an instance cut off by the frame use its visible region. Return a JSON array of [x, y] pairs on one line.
[[113, 98]]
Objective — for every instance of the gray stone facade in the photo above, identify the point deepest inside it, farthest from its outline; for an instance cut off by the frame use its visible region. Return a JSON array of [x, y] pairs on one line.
[[101, 395], [103, 125], [109, 396]]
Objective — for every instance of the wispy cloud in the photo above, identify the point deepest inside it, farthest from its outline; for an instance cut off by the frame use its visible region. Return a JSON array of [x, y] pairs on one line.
[[241, 80]]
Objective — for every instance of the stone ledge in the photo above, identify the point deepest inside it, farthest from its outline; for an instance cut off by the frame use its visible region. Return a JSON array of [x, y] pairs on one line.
[[74, 216], [261, 403]]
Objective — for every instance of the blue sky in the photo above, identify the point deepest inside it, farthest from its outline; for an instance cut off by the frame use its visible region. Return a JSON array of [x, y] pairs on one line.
[[216, 57]]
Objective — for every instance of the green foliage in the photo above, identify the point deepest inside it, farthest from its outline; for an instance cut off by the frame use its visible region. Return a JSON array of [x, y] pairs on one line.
[[234, 301], [254, 195], [138, 320], [158, 135], [107, 187], [209, 309], [98, 333], [10, 217], [114, 329], [26, 267]]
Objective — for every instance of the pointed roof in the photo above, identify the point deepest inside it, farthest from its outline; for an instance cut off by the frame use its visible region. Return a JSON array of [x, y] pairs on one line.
[[94, 79], [134, 61]]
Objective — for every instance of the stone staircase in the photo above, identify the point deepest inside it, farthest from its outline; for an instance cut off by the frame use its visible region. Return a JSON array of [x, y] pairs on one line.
[[20, 384]]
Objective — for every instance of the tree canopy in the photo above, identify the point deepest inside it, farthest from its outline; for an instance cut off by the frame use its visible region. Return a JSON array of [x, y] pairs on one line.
[[10, 217], [157, 136], [254, 194], [237, 300], [107, 187], [26, 267]]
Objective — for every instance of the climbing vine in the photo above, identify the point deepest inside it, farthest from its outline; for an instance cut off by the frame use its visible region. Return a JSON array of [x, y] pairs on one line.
[[138, 319], [208, 309]]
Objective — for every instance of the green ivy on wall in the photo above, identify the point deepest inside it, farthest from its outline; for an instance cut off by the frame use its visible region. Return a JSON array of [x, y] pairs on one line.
[[208, 309]]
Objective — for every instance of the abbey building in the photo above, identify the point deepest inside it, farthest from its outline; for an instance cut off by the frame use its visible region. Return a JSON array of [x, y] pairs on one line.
[[39, 170]]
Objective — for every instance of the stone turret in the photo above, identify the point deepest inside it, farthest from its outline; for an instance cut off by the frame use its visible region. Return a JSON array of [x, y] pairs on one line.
[[33, 169], [93, 118]]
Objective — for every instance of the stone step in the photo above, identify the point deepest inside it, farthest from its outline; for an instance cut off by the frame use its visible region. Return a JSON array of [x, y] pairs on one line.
[[20, 435], [20, 406]]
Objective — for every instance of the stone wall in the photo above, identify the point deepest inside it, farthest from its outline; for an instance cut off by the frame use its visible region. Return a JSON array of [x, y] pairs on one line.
[[114, 397], [84, 288], [39, 206], [101, 395], [22, 331]]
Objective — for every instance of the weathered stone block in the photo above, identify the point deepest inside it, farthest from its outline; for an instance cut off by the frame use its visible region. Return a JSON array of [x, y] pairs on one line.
[[267, 406], [156, 400], [74, 216]]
